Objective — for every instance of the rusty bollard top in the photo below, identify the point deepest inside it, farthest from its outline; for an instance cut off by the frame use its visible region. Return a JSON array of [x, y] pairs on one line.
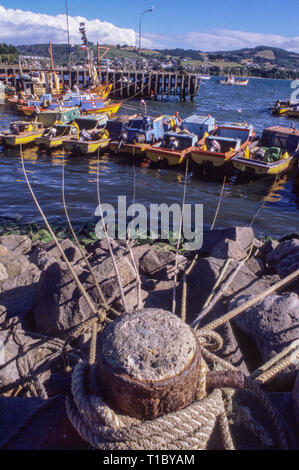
[[148, 363]]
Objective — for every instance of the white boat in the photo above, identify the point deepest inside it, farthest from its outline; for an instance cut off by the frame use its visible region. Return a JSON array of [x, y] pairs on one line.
[[230, 80], [205, 75]]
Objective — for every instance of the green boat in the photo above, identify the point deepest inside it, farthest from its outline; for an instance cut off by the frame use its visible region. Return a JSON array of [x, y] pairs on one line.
[[63, 116]]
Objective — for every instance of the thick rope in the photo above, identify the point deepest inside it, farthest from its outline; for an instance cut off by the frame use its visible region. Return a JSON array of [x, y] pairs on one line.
[[257, 374], [249, 303], [187, 429], [279, 426]]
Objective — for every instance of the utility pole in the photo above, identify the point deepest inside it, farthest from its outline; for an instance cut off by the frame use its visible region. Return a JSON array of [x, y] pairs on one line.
[[146, 11]]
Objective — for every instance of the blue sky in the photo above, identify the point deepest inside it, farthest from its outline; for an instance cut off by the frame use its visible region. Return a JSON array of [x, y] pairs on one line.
[[218, 24]]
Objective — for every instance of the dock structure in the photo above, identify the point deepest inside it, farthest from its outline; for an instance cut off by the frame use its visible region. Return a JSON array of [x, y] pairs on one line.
[[126, 83]]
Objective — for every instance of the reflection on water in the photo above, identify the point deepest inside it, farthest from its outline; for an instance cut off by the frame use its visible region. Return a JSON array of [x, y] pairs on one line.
[[240, 202]]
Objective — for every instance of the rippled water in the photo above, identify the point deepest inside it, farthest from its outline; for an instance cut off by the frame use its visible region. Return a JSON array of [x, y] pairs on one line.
[[240, 203]]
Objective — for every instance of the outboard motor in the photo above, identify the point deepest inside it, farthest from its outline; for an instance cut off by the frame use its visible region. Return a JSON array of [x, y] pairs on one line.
[[173, 143], [51, 132], [84, 135], [140, 138], [121, 140], [214, 146], [147, 123], [14, 128], [260, 155]]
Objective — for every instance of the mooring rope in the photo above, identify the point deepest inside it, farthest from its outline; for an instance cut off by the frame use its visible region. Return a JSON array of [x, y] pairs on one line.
[[189, 428]]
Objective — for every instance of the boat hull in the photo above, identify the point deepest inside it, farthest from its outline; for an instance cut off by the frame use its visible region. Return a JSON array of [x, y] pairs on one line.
[[259, 168], [128, 149], [173, 157], [108, 110], [216, 159], [84, 148], [45, 142], [14, 140]]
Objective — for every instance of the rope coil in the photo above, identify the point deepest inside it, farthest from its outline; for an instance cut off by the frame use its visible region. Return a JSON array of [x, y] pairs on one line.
[[103, 428]]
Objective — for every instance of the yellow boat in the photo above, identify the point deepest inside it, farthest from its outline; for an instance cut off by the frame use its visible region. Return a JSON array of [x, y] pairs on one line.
[[281, 108], [173, 150], [109, 109], [274, 154], [54, 136], [21, 132], [293, 112], [99, 139], [132, 149], [216, 149], [103, 90]]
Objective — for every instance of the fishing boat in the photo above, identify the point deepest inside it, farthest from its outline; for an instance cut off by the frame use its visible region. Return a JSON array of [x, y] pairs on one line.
[[92, 122], [175, 146], [92, 107], [199, 125], [89, 137], [216, 149], [62, 115], [139, 132], [53, 137], [274, 153], [21, 132], [281, 108], [205, 75], [88, 142], [293, 111], [231, 80], [173, 150]]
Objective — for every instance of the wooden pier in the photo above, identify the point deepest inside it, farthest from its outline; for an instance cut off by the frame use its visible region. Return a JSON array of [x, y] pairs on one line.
[[126, 83]]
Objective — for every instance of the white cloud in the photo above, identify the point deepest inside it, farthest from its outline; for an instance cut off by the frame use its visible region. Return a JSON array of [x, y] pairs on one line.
[[25, 27], [224, 39]]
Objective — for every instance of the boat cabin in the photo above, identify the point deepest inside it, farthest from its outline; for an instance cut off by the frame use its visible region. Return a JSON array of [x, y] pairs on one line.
[[49, 117], [287, 139], [116, 126], [145, 129], [228, 137], [199, 125], [178, 141], [91, 121]]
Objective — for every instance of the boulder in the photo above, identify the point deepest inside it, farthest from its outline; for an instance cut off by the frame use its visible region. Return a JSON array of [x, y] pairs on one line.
[[45, 253], [57, 300], [282, 251], [244, 236], [18, 294], [272, 325], [159, 264], [203, 278], [18, 244], [267, 248], [227, 248], [10, 372], [15, 264], [288, 265], [48, 428]]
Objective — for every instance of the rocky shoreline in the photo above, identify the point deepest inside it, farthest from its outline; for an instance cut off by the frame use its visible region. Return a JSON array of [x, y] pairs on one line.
[[41, 305]]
